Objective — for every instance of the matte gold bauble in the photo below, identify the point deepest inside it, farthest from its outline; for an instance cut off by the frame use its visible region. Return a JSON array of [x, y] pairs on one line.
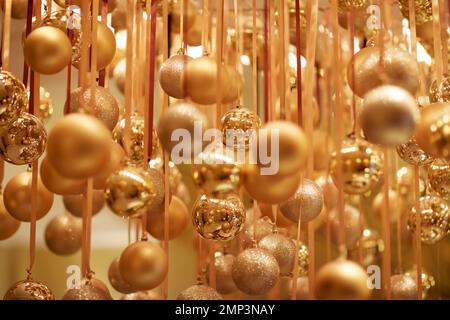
[[413, 154], [23, 141], [178, 220], [342, 280], [18, 8], [200, 80], [264, 227], [47, 50], [17, 197], [394, 206], [439, 177], [219, 217], [45, 108], [29, 290], [183, 193], [102, 105], [255, 271], [199, 292], [129, 191], [106, 46], [142, 295], [352, 227], [235, 87], [433, 131], [389, 115], [74, 203], [399, 69], [224, 280], [170, 75], [189, 16], [116, 159], [8, 225], [238, 126], [403, 287], [63, 235], [329, 191], [434, 219], [78, 146], [116, 280], [13, 98], [87, 292], [423, 10], [282, 248], [306, 204], [143, 265], [361, 166], [58, 184]]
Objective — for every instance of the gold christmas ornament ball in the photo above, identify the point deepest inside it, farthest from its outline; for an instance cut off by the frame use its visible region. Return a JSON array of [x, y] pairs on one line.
[[329, 191], [352, 227], [189, 16], [219, 217], [156, 206], [413, 154], [394, 205], [129, 191], [183, 193], [264, 227], [282, 248], [193, 37], [170, 75], [13, 98], [23, 141], [389, 115], [116, 159], [305, 205], [116, 280], [238, 126], [106, 46], [361, 166], [235, 87], [423, 10], [371, 246], [17, 197], [403, 287], [95, 282], [199, 292], [63, 235], [29, 290], [58, 184], [267, 211], [440, 92], [303, 259], [178, 220], [405, 182], [87, 291], [255, 271], [18, 8], [143, 265], [78, 146], [142, 295], [8, 225], [224, 280], [47, 50], [302, 288], [342, 280], [74, 203], [45, 108], [439, 177], [428, 281]]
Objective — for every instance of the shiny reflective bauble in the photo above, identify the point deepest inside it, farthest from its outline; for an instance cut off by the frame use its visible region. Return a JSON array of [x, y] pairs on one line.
[[45, 108], [238, 126], [116, 280], [405, 182], [428, 281], [116, 159], [87, 291], [18, 194], [352, 227], [23, 141], [18, 8], [74, 203], [423, 10], [63, 234], [178, 220], [264, 227], [434, 219], [389, 115], [142, 295], [361, 166], [394, 205], [199, 292], [47, 50], [342, 280], [303, 259], [371, 246], [306, 204], [129, 191], [440, 92], [439, 178], [224, 280], [170, 75], [58, 184], [347, 4], [13, 98], [413, 154], [143, 265], [8, 225], [218, 218], [282, 248], [403, 287], [29, 290]]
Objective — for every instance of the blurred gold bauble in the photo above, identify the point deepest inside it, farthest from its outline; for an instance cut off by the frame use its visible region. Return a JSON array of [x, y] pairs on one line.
[[371, 246], [116, 280], [116, 159], [183, 193], [403, 287], [321, 153], [200, 80], [156, 205], [78, 146], [102, 105], [129, 191], [74, 203], [58, 184], [433, 131], [264, 227], [389, 115], [143, 265], [303, 259], [302, 288], [400, 69], [224, 280], [440, 92], [238, 126], [353, 229], [329, 191], [235, 88], [18, 8], [189, 16], [178, 220], [8, 225], [170, 75], [428, 281], [13, 98], [29, 290], [119, 74], [434, 219], [106, 46], [413, 154], [282, 248], [218, 218], [347, 4], [439, 177], [23, 141], [306, 204], [142, 295], [405, 182], [47, 50], [87, 291], [394, 205], [361, 166], [423, 10], [267, 211], [255, 271], [17, 197], [193, 37], [342, 280], [199, 292], [95, 282], [63, 234], [45, 108]]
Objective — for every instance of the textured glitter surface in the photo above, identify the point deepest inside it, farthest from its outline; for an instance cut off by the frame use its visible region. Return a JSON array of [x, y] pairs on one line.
[[403, 287], [282, 248], [29, 290], [86, 292], [439, 177], [199, 292], [413, 154], [13, 98], [224, 280]]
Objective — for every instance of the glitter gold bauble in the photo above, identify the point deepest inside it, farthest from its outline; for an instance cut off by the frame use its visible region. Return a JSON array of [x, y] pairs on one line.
[[156, 206], [433, 131], [95, 282], [47, 50], [78, 146], [306, 204], [170, 75], [87, 291], [189, 16], [342, 280], [23, 141], [17, 197], [413, 154], [428, 281], [58, 184], [403, 287], [394, 206], [29, 290], [199, 292], [175, 176], [8, 225], [143, 265], [18, 8], [219, 217], [400, 69], [434, 219], [439, 177], [224, 281], [74, 203], [102, 105], [389, 115], [129, 191], [178, 220], [423, 10], [255, 271], [45, 108], [361, 166], [238, 126], [13, 98], [142, 295], [264, 227], [352, 227], [282, 248], [116, 159], [116, 280], [235, 87], [63, 235]]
